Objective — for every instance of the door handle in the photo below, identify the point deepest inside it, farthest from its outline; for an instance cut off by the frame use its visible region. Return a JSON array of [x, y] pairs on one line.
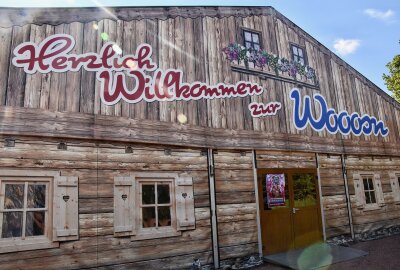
[[295, 209]]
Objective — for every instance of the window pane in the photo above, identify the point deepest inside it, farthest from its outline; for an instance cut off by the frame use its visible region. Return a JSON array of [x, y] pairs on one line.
[[14, 197], [36, 196], [371, 185], [365, 181], [367, 197], [255, 38], [256, 46], [148, 194], [35, 223], [304, 190], [12, 225], [300, 52], [294, 48], [164, 216], [163, 194], [247, 36], [302, 61], [372, 194], [248, 45], [149, 217], [398, 180]]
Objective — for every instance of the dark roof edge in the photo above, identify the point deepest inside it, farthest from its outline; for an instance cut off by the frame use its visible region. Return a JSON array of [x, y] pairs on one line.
[[54, 16]]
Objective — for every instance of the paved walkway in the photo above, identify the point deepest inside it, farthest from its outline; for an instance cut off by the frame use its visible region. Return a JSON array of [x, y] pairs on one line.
[[384, 254]]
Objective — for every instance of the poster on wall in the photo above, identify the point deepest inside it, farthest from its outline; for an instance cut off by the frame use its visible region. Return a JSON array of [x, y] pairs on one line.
[[275, 189]]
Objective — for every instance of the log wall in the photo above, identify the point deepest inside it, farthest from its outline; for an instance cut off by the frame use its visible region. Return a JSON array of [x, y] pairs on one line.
[[96, 165], [385, 216], [236, 206], [333, 195]]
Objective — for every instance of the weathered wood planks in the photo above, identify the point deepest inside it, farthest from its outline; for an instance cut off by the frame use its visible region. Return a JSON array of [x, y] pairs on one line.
[[194, 45]]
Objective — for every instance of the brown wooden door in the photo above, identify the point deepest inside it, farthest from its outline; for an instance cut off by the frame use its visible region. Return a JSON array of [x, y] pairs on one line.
[[297, 223]]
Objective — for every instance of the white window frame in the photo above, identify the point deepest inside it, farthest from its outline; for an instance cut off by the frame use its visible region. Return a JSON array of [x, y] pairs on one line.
[[374, 190], [128, 210], [29, 242], [154, 232], [358, 179], [395, 183]]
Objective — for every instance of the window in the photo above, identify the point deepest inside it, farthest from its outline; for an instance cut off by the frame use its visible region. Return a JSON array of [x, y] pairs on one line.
[[153, 205], [156, 207], [25, 209], [251, 39], [395, 182], [369, 190], [27, 218], [298, 54]]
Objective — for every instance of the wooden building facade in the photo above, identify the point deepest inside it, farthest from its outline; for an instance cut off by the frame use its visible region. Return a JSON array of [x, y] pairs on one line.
[[99, 168]]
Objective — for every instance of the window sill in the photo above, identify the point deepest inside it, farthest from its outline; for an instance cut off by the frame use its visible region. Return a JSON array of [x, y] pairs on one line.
[[12, 245], [372, 207], [155, 233], [266, 73]]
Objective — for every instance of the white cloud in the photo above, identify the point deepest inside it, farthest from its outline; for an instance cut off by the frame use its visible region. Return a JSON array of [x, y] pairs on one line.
[[346, 46], [378, 14]]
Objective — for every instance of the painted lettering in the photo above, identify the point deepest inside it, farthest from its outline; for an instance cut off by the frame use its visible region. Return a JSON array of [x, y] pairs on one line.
[[342, 122]]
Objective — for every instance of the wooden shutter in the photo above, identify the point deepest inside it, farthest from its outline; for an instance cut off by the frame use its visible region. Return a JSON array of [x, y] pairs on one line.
[[359, 191], [185, 204], [378, 190], [124, 206], [395, 187], [65, 207]]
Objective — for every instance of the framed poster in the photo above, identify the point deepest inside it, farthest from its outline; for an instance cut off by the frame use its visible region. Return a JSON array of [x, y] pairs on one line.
[[275, 184]]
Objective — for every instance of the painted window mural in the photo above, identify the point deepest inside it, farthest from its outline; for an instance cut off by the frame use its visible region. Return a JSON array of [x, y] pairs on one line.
[[24, 210], [156, 205]]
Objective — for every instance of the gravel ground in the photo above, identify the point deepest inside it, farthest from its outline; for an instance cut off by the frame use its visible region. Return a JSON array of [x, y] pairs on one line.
[[384, 254]]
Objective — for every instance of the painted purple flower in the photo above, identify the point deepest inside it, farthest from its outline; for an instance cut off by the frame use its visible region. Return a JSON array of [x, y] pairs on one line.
[[283, 65]]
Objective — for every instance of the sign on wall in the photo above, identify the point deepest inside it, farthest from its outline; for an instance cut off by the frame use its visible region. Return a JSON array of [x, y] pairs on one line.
[[53, 54], [333, 122], [275, 189]]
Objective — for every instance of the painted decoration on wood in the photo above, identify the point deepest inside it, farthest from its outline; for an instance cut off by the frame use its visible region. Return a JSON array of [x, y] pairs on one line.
[[275, 189], [53, 55], [332, 121]]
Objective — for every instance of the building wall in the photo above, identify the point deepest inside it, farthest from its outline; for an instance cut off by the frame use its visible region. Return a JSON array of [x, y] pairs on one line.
[[387, 215], [236, 205], [96, 165], [194, 44]]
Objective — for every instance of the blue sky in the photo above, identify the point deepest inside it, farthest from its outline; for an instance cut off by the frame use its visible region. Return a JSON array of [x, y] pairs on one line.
[[364, 33]]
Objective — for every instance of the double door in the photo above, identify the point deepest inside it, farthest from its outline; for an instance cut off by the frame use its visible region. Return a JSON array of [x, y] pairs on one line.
[[290, 217]]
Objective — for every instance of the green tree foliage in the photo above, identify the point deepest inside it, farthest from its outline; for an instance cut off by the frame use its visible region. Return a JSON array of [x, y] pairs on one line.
[[392, 80]]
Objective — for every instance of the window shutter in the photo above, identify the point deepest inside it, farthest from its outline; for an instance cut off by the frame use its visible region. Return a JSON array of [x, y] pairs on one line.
[[185, 204], [359, 191], [395, 187], [65, 207], [378, 187], [124, 206]]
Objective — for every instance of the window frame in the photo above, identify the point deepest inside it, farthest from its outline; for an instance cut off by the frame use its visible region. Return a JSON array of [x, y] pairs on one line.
[[369, 191], [395, 183], [154, 232], [29, 242], [252, 31], [294, 45]]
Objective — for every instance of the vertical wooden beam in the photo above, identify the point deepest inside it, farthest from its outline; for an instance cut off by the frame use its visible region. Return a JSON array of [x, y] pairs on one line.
[[321, 204], [260, 253], [213, 214], [346, 187]]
